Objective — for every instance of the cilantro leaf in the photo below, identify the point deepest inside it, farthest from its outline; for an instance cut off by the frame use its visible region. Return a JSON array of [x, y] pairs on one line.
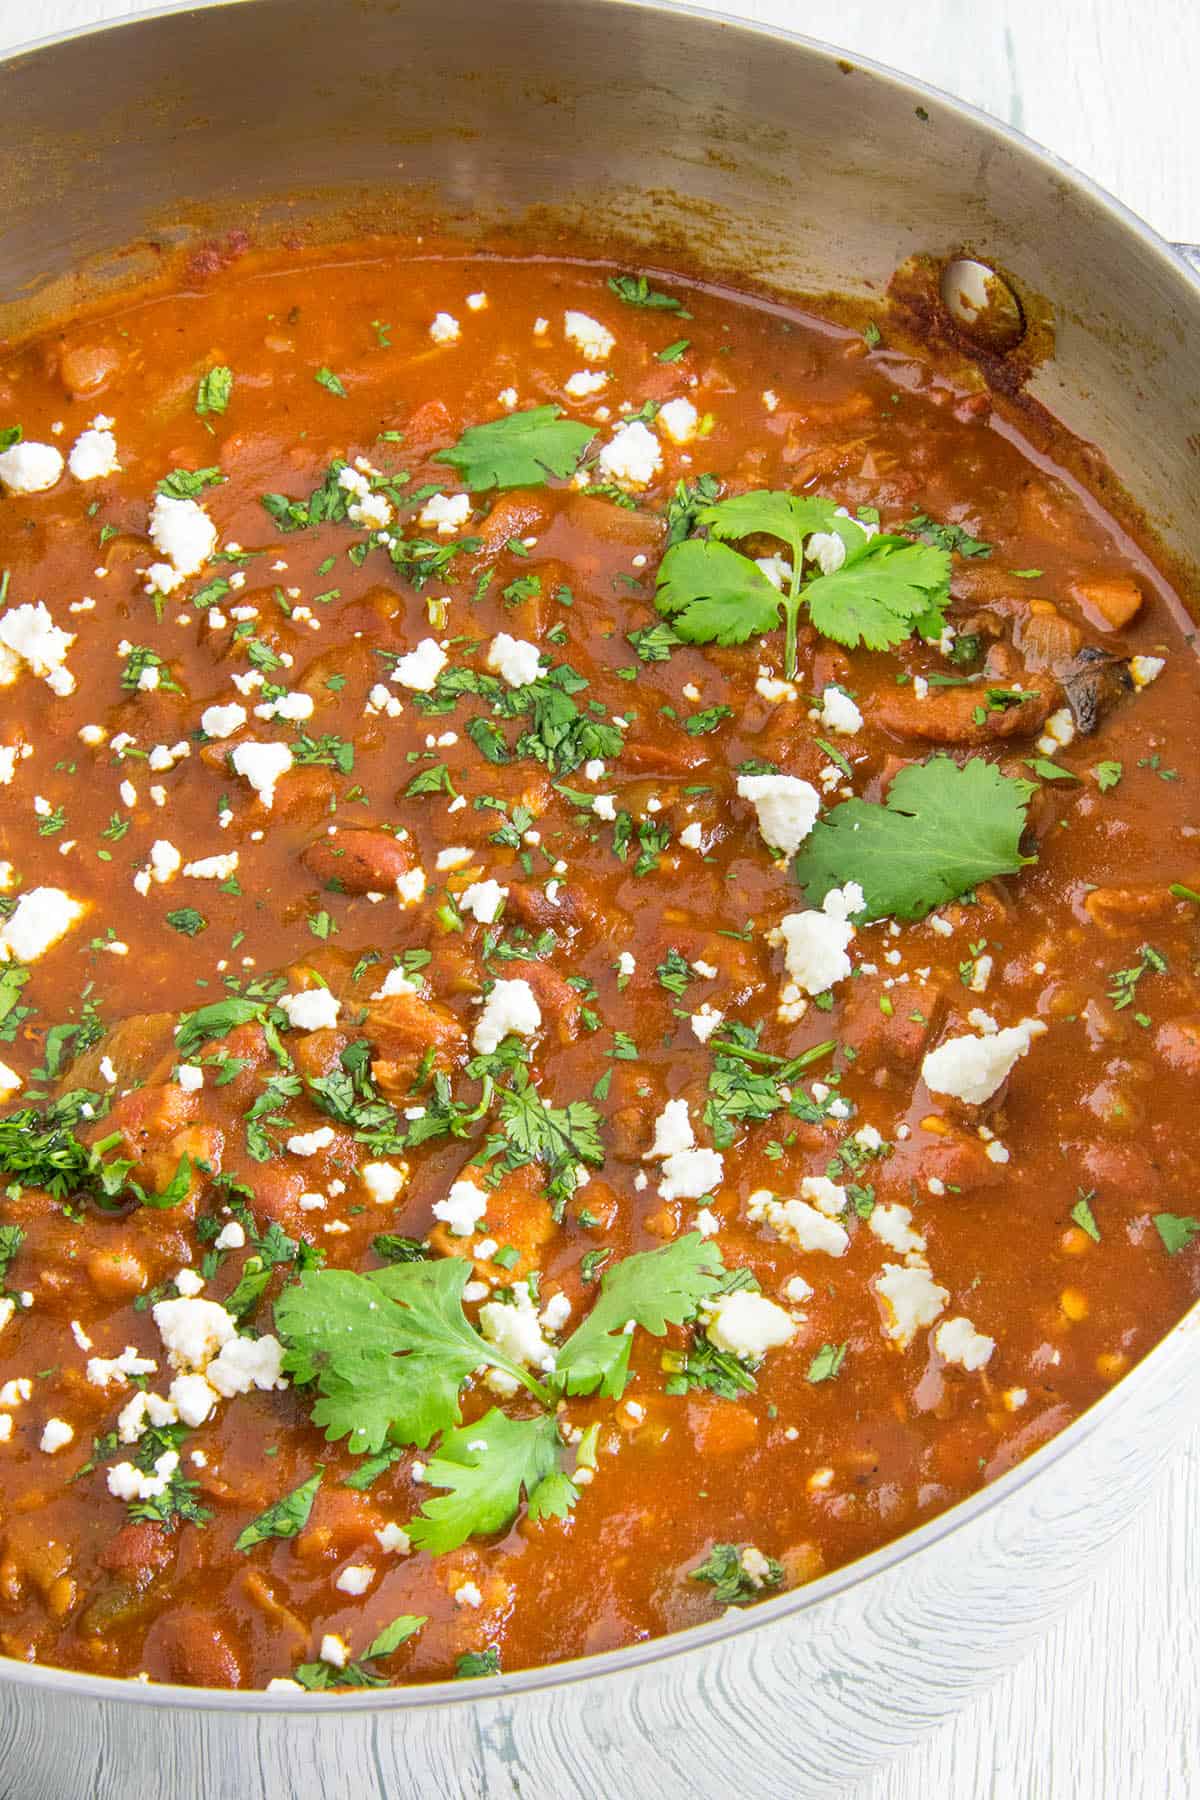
[[395, 1634], [520, 450], [486, 1466], [942, 830], [1176, 1231], [885, 590], [388, 1351], [214, 1020], [771, 513], [285, 1519], [714, 596], [654, 1288]]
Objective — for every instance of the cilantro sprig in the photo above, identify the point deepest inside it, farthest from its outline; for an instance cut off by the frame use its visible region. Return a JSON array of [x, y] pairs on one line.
[[886, 588], [942, 830], [390, 1352]]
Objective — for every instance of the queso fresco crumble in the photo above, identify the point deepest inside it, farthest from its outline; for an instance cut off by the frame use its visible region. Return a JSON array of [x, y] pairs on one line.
[[598, 923]]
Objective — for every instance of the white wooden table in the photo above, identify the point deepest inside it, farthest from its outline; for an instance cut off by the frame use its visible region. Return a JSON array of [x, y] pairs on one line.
[[1106, 1708]]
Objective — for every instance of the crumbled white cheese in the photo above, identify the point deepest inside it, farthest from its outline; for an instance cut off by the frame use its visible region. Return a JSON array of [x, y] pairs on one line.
[[420, 668], [515, 659], [787, 808], [182, 531], [213, 868], [515, 1330], [463, 1208], [308, 1143], [747, 1325], [193, 1398], [796, 1222], [103, 1371], [292, 707], [222, 721], [632, 457], [29, 635], [510, 1007], [245, 1363], [93, 455], [1143, 670], [56, 1435], [815, 943], [384, 1181], [445, 329], [393, 1538], [584, 383], [972, 1068], [127, 1482], [193, 1331], [314, 1009], [231, 1236], [355, 1578], [672, 1131], [41, 916], [445, 513], [593, 340], [395, 982], [691, 1174], [1058, 731], [910, 1298], [705, 1022], [410, 886], [893, 1226], [30, 468], [957, 1341], [483, 900], [263, 766], [679, 420], [839, 712]]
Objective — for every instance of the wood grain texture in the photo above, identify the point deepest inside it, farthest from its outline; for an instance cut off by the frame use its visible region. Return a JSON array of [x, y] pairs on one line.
[[1105, 1708]]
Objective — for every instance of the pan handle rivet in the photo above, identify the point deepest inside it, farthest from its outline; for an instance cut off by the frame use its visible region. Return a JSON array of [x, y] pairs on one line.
[[982, 304]]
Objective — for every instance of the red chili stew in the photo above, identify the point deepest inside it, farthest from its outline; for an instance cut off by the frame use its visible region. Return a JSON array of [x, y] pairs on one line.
[[597, 964]]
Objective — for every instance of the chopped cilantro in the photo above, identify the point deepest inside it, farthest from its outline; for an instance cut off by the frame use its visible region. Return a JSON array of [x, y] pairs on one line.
[[732, 1583], [285, 1519], [635, 290], [1176, 1230], [213, 390]]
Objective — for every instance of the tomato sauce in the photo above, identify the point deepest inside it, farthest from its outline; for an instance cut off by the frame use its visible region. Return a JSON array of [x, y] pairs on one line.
[[389, 884]]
